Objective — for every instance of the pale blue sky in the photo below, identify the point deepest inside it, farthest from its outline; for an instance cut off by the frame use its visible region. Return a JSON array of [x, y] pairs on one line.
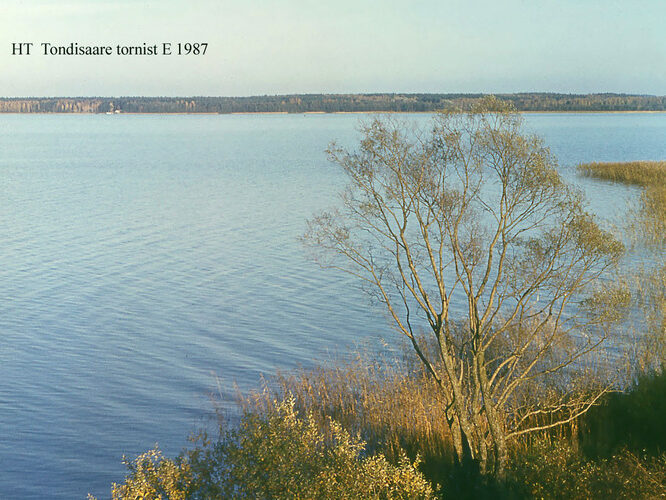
[[277, 47]]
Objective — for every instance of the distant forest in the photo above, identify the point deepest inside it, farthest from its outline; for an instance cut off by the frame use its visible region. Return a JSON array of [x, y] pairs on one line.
[[328, 103]]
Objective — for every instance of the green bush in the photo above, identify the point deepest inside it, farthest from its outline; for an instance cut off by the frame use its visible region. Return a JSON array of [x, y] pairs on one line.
[[634, 420], [556, 470], [151, 476], [280, 454], [275, 455]]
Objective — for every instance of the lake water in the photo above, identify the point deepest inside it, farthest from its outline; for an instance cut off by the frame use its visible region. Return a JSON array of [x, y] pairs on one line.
[[147, 262]]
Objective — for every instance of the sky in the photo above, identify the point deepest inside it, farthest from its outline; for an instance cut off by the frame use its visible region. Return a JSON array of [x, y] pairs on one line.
[[258, 47]]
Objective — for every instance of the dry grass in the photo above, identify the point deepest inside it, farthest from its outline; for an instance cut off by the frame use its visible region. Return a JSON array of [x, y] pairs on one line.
[[641, 173], [653, 213], [392, 407]]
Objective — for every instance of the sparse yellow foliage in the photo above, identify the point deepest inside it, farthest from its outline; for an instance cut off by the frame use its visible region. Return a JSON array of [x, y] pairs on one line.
[[152, 476]]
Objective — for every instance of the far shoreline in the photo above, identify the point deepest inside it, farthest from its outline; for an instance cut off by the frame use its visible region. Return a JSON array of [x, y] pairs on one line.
[[353, 103], [237, 113]]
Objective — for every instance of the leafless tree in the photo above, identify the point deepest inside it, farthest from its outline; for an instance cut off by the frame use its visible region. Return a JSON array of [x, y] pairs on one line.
[[482, 256]]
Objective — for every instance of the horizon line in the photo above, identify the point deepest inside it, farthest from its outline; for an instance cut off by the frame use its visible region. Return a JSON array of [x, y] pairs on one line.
[[461, 94]]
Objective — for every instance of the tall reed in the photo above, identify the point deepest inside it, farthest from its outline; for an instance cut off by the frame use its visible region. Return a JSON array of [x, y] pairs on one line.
[[392, 407], [640, 173]]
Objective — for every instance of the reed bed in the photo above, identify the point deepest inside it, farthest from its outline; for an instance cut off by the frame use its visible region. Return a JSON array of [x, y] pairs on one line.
[[648, 219], [640, 173], [392, 407]]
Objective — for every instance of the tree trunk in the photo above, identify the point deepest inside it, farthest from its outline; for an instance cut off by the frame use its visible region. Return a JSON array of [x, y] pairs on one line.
[[456, 437], [501, 458]]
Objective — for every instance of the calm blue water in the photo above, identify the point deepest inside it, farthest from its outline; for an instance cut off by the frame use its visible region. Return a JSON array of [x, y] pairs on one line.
[[144, 259]]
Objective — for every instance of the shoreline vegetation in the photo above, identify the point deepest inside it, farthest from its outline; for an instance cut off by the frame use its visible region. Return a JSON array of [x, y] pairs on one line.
[[648, 226], [639, 173], [332, 103], [370, 428]]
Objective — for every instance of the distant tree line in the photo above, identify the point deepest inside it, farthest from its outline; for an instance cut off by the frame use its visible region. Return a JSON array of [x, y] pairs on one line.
[[329, 103]]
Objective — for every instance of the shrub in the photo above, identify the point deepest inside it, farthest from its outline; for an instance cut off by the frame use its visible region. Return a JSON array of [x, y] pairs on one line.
[[279, 454], [151, 476], [275, 454], [633, 420], [556, 470]]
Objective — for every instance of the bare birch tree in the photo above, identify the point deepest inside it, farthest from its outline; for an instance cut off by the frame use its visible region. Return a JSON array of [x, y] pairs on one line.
[[481, 255]]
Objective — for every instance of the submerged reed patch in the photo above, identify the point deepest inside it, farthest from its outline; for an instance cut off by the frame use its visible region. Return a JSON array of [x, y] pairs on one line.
[[646, 229], [640, 173]]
